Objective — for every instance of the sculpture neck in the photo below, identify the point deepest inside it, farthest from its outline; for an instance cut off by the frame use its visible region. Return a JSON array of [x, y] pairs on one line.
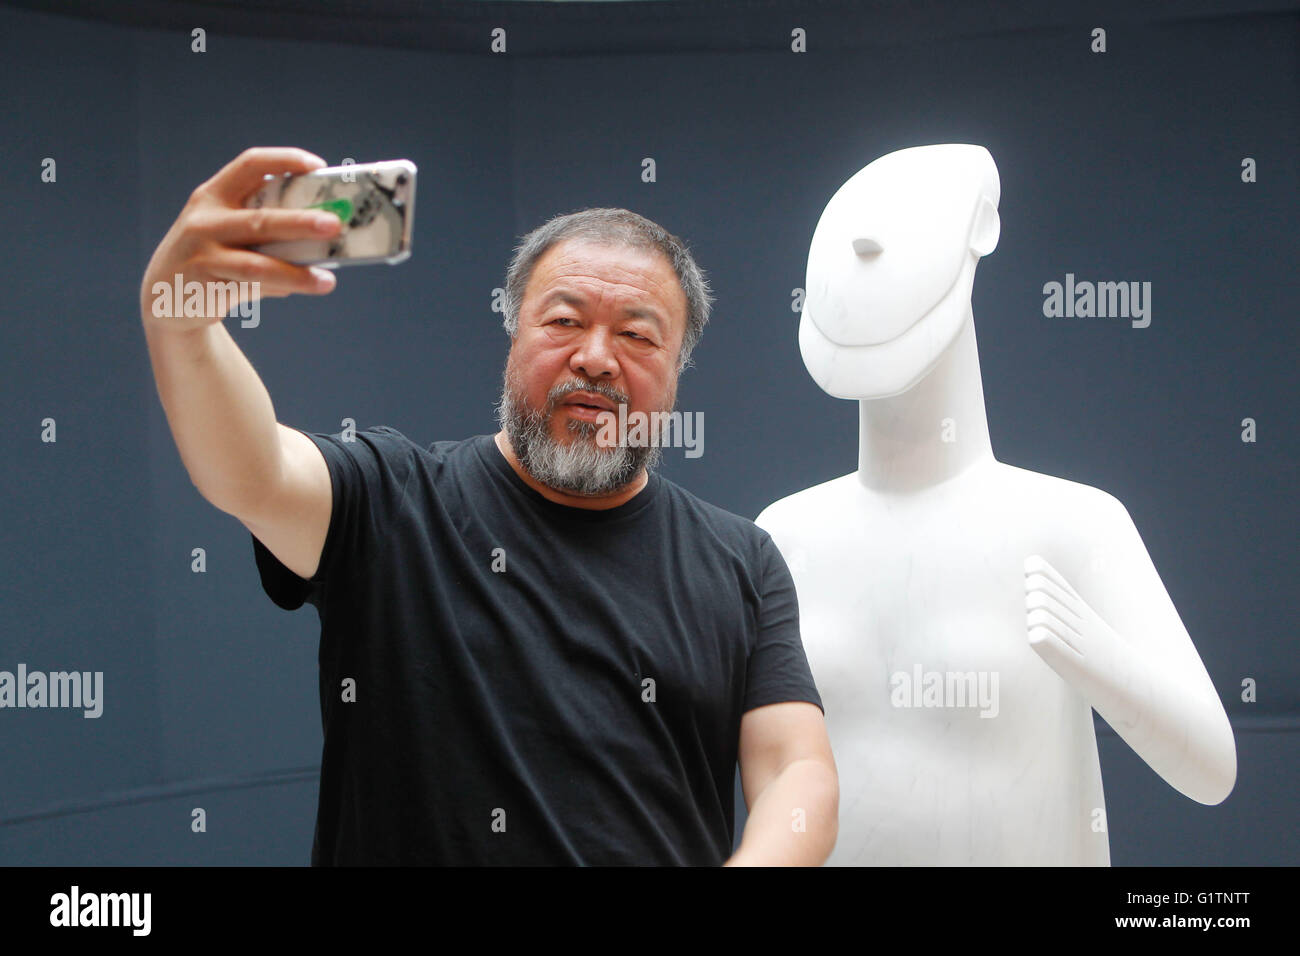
[[932, 432]]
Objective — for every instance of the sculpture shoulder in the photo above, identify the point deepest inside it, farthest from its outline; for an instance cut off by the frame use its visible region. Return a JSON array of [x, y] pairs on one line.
[[1075, 502], [795, 510]]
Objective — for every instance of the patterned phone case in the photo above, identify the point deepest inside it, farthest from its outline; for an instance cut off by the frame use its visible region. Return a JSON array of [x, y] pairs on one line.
[[376, 202]]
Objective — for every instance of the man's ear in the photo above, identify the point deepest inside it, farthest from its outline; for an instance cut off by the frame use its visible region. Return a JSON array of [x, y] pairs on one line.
[[986, 228]]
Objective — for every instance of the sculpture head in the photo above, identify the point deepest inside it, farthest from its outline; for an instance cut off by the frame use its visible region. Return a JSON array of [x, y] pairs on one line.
[[891, 266]]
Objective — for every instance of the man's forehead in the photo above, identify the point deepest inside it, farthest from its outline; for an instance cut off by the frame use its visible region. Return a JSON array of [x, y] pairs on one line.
[[589, 257], [559, 277]]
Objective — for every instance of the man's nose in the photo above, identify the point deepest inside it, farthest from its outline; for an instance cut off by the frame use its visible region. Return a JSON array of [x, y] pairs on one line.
[[594, 356]]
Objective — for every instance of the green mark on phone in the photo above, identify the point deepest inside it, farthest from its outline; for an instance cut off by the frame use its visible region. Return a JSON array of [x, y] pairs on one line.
[[340, 207]]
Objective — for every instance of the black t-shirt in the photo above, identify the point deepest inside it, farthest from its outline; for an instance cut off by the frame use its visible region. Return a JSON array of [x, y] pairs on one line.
[[508, 680]]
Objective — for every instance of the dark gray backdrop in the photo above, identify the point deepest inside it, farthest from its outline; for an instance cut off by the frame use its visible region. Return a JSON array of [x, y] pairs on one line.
[[1116, 166]]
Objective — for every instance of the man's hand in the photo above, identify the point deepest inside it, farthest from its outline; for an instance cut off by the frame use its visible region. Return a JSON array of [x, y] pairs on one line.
[[207, 241]]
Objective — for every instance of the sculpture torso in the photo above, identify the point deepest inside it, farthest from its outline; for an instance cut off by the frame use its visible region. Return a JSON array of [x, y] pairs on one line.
[[893, 587]]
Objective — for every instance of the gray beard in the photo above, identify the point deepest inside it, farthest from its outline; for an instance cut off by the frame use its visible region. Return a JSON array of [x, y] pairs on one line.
[[580, 467]]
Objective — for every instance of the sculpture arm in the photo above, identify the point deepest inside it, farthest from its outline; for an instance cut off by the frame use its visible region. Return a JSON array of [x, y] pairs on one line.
[[1126, 651]]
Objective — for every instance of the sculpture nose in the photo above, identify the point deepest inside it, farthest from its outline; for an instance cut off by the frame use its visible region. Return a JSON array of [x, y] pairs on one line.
[[866, 246]]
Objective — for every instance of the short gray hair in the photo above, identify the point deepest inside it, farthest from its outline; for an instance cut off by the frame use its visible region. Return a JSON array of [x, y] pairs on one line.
[[612, 226]]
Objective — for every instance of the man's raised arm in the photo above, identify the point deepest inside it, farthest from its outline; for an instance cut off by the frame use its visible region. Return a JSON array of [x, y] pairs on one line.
[[272, 478]]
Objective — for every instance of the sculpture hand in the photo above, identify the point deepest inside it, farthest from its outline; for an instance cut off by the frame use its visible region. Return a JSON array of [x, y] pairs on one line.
[[1067, 633]]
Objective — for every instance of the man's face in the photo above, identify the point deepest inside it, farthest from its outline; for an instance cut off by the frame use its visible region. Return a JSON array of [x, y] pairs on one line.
[[599, 326]]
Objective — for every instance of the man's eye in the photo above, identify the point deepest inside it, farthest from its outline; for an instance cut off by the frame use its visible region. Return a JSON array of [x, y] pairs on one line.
[[637, 336], [562, 318]]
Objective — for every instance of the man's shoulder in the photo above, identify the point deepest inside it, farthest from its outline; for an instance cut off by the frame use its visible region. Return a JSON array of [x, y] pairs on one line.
[[382, 454], [387, 440], [726, 525], [458, 448]]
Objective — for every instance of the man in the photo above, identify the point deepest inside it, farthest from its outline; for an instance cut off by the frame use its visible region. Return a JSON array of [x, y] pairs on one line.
[[534, 649]]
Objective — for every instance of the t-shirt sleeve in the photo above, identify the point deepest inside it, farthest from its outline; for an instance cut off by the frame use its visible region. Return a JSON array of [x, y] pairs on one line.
[[778, 667], [368, 475]]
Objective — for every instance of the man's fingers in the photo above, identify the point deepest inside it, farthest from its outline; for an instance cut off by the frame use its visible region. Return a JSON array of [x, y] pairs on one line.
[[275, 276], [246, 227], [243, 175]]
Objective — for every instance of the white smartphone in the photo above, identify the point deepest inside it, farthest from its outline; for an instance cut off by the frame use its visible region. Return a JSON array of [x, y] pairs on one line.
[[375, 201]]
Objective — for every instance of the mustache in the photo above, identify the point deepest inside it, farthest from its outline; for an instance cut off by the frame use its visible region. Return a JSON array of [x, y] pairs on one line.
[[559, 392]]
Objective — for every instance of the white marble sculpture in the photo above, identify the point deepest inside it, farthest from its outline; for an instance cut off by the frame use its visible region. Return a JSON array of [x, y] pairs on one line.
[[963, 617]]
